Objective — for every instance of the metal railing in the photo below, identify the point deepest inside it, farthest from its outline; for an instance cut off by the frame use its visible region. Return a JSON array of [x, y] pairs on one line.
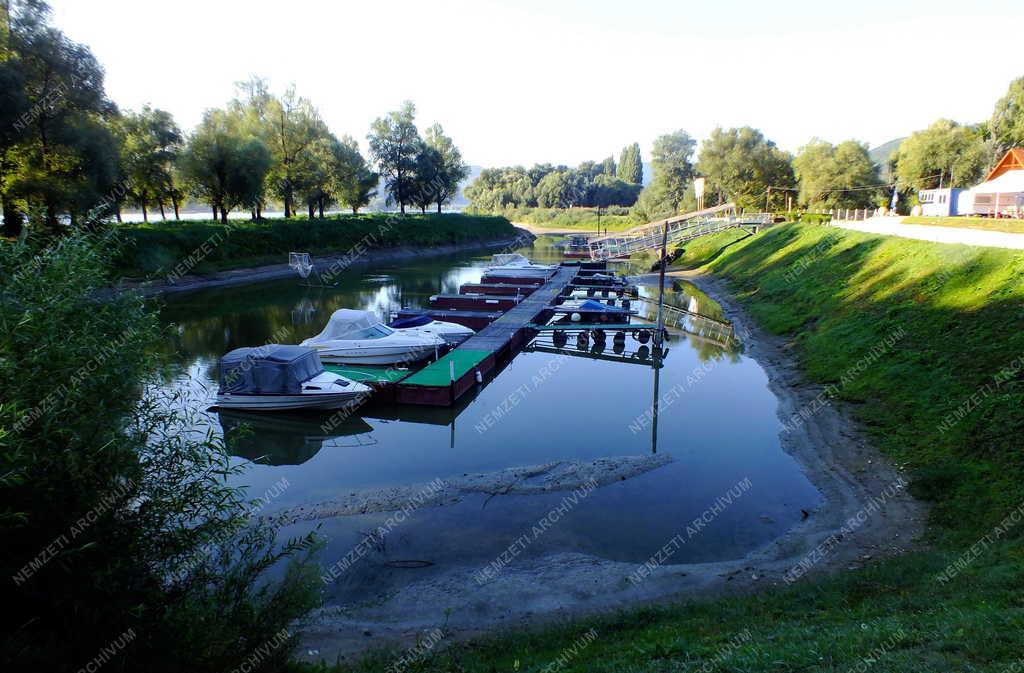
[[679, 230]]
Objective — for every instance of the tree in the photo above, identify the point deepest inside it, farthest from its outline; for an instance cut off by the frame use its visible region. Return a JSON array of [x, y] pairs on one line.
[[945, 153], [224, 167], [394, 145], [740, 164], [1007, 122], [840, 176], [150, 145], [353, 184], [452, 170], [427, 177], [671, 162], [631, 167], [554, 190], [63, 159], [14, 105], [293, 126]]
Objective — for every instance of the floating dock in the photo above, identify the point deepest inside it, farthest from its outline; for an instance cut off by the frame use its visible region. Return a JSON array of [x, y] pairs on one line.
[[443, 382]]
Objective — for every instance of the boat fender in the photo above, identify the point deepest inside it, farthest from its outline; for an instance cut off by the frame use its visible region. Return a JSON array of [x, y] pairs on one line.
[[479, 377], [575, 317]]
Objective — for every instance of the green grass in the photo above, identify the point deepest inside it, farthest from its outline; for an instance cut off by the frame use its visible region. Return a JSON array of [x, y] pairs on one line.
[[836, 294], [203, 247], [584, 219], [984, 223]]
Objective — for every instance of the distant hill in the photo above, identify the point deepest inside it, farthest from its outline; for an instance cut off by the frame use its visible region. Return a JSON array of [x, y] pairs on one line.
[[882, 156]]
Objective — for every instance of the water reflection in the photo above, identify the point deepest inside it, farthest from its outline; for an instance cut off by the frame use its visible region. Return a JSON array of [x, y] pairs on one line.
[[289, 438], [606, 399]]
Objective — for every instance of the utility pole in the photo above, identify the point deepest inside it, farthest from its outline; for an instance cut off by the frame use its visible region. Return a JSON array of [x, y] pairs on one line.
[[661, 285]]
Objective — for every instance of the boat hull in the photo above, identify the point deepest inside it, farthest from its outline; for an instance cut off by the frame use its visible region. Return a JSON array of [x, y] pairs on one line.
[[298, 401], [371, 356]]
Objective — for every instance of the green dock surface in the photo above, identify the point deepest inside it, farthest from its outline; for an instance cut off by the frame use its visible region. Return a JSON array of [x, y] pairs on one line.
[[369, 374], [439, 373]]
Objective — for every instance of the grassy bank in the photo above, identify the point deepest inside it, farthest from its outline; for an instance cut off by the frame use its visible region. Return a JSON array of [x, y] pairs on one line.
[[945, 401], [584, 219], [983, 223], [204, 247]]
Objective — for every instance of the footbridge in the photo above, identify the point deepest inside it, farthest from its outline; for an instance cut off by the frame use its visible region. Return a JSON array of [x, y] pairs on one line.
[[679, 228]]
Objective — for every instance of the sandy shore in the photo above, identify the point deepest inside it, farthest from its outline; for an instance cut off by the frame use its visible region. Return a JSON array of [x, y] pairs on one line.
[[866, 515]]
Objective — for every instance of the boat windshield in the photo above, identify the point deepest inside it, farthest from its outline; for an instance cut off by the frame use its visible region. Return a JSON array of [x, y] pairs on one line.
[[373, 332]]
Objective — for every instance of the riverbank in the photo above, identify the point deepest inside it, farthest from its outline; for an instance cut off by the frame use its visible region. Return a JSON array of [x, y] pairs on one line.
[[324, 264], [171, 250], [528, 594], [920, 344]]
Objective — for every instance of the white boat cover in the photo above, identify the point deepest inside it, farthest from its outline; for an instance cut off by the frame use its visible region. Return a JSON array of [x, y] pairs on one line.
[[510, 259], [268, 369], [343, 323]]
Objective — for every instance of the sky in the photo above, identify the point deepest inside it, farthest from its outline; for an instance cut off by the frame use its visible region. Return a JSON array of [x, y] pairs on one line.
[[535, 81]]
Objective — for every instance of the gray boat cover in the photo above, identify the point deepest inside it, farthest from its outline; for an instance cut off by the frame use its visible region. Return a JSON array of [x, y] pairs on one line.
[[270, 369]]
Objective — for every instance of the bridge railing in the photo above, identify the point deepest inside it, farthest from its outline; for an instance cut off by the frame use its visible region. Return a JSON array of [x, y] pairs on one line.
[[649, 238]]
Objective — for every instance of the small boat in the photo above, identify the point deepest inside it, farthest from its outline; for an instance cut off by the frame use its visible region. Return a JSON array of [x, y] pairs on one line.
[[276, 377], [518, 266], [359, 337], [452, 333], [591, 311]]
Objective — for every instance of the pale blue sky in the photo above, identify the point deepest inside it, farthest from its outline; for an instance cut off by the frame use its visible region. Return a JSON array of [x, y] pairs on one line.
[[560, 82]]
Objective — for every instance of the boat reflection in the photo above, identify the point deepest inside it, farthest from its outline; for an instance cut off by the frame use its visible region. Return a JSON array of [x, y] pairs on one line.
[[290, 438]]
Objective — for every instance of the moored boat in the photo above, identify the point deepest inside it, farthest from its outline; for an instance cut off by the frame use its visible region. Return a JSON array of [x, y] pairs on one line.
[[359, 337], [452, 333], [277, 377]]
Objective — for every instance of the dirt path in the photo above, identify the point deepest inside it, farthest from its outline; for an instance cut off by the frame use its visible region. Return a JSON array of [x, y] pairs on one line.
[[867, 514], [892, 226]]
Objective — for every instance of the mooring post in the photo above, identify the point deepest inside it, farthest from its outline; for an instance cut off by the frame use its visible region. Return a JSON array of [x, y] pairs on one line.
[[661, 285]]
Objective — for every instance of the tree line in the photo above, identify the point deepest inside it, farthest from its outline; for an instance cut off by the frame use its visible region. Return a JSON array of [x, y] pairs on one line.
[[593, 184], [741, 165], [69, 155]]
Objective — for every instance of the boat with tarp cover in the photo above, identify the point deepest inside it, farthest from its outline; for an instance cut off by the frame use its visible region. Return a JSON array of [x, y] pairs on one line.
[[277, 377]]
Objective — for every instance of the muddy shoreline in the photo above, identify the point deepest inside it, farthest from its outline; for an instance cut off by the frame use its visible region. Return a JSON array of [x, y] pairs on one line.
[[866, 514], [259, 274]]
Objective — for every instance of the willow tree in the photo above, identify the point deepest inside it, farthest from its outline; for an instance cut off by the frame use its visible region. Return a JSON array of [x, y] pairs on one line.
[[395, 145], [451, 169]]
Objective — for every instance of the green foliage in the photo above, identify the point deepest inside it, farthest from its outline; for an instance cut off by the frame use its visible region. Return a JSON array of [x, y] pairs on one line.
[[946, 152], [116, 515], [614, 218], [57, 156], [590, 185], [672, 166], [225, 165], [1007, 122], [631, 166], [450, 169], [394, 145], [740, 164], [840, 176], [150, 145], [157, 249]]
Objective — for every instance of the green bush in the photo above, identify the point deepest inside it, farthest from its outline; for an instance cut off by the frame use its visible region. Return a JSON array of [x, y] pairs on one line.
[[196, 246], [120, 531], [614, 218]]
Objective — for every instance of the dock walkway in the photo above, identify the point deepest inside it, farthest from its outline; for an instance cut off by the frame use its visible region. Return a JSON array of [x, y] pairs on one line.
[[443, 382]]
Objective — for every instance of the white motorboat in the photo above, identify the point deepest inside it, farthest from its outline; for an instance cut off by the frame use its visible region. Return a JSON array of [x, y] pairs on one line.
[[276, 377], [359, 337], [515, 264], [452, 333]]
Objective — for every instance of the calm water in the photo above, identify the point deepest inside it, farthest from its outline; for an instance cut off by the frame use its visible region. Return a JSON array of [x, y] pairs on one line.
[[718, 421]]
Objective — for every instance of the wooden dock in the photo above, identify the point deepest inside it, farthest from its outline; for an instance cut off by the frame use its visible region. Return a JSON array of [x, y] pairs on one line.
[[445, 381]]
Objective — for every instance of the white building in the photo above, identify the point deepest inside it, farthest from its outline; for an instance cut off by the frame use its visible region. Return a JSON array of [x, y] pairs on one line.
[[940, 202], [1002, 193]]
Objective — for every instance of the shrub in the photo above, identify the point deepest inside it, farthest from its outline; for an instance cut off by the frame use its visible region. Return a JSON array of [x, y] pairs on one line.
[[118, 522]]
